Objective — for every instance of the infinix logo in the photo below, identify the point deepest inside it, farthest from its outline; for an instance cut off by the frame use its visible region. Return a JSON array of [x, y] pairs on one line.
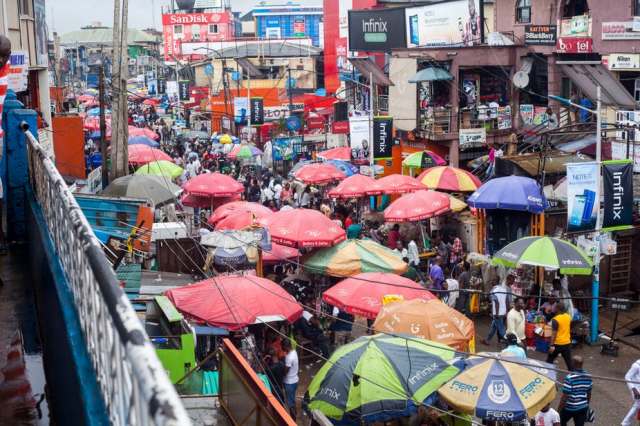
[[373, 26], [618, 193]]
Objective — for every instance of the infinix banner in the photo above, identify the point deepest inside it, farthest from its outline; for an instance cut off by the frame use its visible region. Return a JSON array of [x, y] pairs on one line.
[[382, 137], [618, 194], [583, 199]]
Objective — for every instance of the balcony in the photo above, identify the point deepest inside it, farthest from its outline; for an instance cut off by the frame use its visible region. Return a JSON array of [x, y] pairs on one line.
[[435, 122], [492, 119]]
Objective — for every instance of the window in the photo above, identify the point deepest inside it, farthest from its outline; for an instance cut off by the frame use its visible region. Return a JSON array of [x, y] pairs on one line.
[[636, 7], [523, 11], [213, 28], [24, 7], [177, 29], [195, 31]]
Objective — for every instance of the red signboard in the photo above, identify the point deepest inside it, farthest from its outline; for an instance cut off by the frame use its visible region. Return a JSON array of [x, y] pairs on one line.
[[340, 127], [314, 122], [574, 45], [182, 29]]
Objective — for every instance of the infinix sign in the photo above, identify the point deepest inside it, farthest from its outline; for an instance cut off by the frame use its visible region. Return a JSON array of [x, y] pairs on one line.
[[376, 30]]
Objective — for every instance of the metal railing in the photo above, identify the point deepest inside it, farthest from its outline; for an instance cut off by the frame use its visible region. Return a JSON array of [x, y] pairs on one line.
[[436, 121], [134, 386]]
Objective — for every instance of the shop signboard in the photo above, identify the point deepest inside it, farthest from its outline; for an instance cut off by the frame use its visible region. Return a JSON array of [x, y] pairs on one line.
[[18, 70], [382, 137], [526, 114], [576, 26], [583, 198], [377, 30], [574, 45], [619, 31], [282, 148], [257, 111], [504, 118], [340, 127], [472, 137], [454, 23], [298, 26], [359, 138], [617, 177], [182, 29], [540, 35], [183, 90], [240, 110], [624, 61]]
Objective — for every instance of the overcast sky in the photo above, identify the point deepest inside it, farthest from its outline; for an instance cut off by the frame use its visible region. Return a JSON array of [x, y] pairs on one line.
[[69, 15]]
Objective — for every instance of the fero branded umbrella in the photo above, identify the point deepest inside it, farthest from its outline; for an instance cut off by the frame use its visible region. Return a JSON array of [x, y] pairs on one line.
[[340, 153], [234, 207]]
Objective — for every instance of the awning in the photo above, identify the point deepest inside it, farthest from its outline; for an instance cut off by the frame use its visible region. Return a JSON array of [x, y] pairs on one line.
[[588, 76], [431, 74], [366, 66], [529, 164], [251, 69]]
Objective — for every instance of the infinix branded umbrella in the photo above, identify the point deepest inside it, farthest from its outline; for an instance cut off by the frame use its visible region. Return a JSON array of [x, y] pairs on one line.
[[352, 257], [548, 252], [377, 378]]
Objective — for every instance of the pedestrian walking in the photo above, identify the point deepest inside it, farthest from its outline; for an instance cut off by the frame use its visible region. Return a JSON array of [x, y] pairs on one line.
[[500, 301], [576, 395], [561, 336], [291, 378], [633, 375], [516, 321], [513, 350], [436, 277], [547, 416]]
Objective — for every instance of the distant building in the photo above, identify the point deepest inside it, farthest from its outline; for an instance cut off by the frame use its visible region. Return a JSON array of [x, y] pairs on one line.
[[248, 25], [285, 21]]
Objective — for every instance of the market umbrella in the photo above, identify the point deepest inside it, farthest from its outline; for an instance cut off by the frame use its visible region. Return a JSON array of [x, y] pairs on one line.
[[423, 159], [143, 131], [234, 207], [399, 184], [239, 220], [304, 228], [280, 254], [456, 205], [449, 178], [153, 188], [341, 153], [191, 200], [362, 294], [161, 168], [548, 252], [509, 193], [426, 319], [143, 140], [319, 174], [142, 154], [356, 186], [244, 152], [378, 378], [352, 257], [213, 185], [225, 139], [417, 206], [300, 164], [235, 301], [492, 388], [345, 167]]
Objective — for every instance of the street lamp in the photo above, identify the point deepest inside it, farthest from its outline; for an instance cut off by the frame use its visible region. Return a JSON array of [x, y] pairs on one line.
[[595, 285]]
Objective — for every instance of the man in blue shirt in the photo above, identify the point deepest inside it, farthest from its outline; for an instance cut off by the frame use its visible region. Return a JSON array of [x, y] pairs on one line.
[[436, 276], [513, 349], [576, 394]]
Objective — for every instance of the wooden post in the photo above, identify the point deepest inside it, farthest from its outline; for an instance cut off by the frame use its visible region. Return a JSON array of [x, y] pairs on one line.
[[260, 265]]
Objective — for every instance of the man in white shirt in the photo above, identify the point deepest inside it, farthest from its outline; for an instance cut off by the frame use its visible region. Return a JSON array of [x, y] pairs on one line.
[[500, 300], [547, 417], [453, 291], [633, 375], [291, 379], [413, 254], [516, 320]]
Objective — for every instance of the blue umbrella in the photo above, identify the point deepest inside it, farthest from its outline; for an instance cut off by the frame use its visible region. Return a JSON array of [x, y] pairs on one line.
[[94, 135], [509, 193], [143, 140], [345, 167], [94, 112]]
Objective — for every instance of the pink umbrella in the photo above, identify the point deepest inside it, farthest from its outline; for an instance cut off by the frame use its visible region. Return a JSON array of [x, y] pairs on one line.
[[240, 220], [191, 200], [417, 206], [318, 174], [213, 185], [143, 131], [280, 253], [142, 154], [399, 184], [356, 186], [342, 153], [238, 207], [304, 228]]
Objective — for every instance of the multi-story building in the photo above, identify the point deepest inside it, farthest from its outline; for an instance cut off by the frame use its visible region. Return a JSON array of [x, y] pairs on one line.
[[287, 21]]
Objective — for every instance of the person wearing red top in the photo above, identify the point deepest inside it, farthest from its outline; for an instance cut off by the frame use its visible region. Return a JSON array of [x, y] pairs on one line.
[[393, 237], [5, 53]]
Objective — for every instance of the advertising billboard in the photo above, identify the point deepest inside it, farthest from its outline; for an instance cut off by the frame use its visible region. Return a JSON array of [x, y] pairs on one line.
[[359, 135], [377, 30], [540, 35], [184, 28], [382, 137], [583, 199], [618, 194], [455, 23]]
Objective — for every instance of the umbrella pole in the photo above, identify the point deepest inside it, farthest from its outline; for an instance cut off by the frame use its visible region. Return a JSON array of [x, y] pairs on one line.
[[259, 265], [540, 296]]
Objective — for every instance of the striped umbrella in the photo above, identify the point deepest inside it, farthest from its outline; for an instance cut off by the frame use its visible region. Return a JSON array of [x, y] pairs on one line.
[[379, 378], [449, 179], [352, 257], [244, 152], [423, 159]]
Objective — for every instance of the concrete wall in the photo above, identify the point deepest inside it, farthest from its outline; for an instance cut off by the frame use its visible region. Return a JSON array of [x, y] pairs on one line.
[[403, 95]]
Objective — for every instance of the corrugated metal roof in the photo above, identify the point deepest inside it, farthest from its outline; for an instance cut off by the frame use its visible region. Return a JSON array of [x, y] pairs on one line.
[[588, 76], [104, 35], [271, 50]]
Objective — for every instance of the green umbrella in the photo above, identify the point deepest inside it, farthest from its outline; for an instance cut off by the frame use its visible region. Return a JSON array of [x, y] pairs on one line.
[[352, 257], [548, 252], [380, 377], [153, 188], [161, 168]]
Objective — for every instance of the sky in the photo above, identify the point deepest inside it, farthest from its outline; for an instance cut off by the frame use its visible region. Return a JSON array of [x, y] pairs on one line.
[[69, 15]]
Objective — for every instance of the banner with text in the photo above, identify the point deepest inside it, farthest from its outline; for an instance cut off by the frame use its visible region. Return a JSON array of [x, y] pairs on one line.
[[359, 139], [583, 198], [257, 111], [617, 178], [382, 137]]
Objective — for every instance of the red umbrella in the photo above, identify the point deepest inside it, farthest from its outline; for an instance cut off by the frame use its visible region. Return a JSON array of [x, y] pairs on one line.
[[399, 184], [143, 154], [280, 253], [235, 301], [86, 98], [341, 153], [304, 228], [356, 186], [362, 294], [318, 174], [238, 206], [143, 131], [240, 220], [151, 101], [417, 206], [213, 185], [191, 200]]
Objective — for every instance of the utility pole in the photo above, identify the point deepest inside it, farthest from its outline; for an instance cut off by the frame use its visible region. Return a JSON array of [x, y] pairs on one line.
[[103, 126], [250, 106], [595, 285], [120, 130], [371, 158], [290, 91]]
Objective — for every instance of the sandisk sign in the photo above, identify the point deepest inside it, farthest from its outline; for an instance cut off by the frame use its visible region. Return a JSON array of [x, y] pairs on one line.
[[574, 45], [194, 18]]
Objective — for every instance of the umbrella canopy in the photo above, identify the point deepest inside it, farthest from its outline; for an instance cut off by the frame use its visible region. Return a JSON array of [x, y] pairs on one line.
[[356, 186], [493, 389], [509, 193], [279, 254], [399, 184], [431, 74], [304, 228], [352, 257], [143, 131], [161, 168], [191, 200], [143, 140], [235, 301], [362, 294], [426, 319], [319, 174], [417, 206], [142, 154], [345, 167], [456, 205], [153, 188], [213, 185], [300, 164], [225, 139], [423, 160], [234, 207], [449, 179], [341, 153], [379, 377], [548, 252], [244, 152], [239, 220]]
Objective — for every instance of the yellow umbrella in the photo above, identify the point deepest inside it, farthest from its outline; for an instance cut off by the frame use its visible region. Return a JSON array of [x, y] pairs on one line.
[[225, 139], [456, 205]]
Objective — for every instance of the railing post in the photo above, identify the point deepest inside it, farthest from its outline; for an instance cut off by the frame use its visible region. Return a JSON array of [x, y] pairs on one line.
[[16, 165]]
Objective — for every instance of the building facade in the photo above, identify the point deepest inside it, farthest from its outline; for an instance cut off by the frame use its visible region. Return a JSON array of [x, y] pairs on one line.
[[288, 21]]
